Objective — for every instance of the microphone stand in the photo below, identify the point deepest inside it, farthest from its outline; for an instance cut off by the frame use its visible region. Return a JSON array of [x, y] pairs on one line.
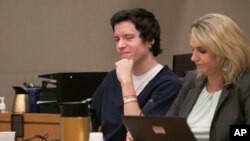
[[150, 101]]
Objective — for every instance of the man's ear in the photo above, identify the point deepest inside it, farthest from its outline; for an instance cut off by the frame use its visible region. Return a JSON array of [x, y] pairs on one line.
[[151, 42]]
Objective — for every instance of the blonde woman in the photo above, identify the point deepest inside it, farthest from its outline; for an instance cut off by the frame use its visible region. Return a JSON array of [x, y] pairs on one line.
[[217, 94]]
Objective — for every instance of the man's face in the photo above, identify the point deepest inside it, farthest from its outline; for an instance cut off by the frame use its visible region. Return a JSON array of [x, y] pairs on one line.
[[128, 43]]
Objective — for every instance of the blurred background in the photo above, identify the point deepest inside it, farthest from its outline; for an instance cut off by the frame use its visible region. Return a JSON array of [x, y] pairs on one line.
[[48, 36]]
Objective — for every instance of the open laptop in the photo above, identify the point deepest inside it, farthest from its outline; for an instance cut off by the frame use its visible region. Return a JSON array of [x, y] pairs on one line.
[[158, 128]]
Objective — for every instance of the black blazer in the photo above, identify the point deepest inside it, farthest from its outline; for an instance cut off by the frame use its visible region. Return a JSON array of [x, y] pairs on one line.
[[233, 106]]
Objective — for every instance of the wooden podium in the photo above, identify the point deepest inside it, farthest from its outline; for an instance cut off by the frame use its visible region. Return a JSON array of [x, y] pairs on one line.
[[33, 124]]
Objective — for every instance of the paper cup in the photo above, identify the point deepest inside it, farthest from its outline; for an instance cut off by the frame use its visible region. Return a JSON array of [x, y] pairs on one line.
[[7, 136], [96, 136]]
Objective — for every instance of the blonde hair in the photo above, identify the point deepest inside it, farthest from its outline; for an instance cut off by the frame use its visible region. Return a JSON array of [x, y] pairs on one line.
[[222, 36]]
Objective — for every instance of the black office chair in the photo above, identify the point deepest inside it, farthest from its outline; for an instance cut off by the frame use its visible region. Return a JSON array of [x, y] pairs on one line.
[[182, 64]]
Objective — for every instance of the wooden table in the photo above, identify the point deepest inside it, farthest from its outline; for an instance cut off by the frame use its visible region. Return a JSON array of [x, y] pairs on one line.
[[34, 124]]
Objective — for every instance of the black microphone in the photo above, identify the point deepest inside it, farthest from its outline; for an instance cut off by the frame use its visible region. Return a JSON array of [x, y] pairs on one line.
[[150, 101]]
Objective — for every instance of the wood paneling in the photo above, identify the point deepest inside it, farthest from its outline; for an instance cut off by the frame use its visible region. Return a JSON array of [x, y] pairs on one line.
[[34, 124]]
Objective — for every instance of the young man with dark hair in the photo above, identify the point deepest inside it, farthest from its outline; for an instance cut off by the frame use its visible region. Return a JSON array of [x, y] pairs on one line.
[[139, 85]]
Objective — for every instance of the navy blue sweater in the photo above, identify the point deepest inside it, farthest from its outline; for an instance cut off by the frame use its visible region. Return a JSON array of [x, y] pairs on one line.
[[108, 102]]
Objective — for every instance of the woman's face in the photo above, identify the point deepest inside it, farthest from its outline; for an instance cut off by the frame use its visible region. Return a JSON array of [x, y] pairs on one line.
[[205, 61]]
